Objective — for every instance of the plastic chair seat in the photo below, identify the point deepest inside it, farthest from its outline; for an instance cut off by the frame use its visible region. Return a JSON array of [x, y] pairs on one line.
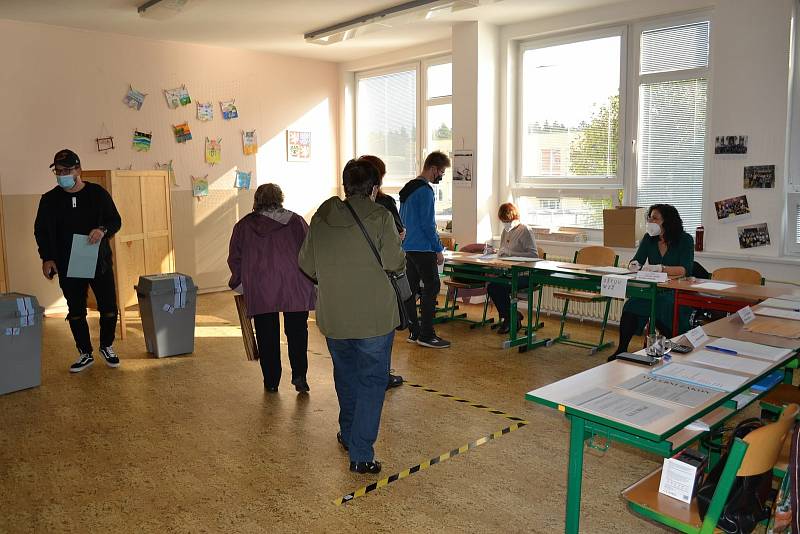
[[644, 495], [464, 285], [781, 395]]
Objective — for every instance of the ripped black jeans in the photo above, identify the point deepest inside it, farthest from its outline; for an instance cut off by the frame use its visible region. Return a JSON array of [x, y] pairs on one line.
[[75, 291]]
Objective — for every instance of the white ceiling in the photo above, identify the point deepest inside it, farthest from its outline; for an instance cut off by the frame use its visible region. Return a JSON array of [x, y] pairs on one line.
[[274, 25]]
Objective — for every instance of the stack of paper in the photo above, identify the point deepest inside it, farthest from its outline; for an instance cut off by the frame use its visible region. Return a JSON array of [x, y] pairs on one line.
[[609, 270], [620, 407], [777, 312], [756, 350], [782, 304], [741, 364], [701, 376], [520, 258], [795, 298], [713, 286]]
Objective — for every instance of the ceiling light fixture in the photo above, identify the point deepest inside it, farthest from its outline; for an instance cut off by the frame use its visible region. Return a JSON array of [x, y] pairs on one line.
[[161, 9], [399, 15]]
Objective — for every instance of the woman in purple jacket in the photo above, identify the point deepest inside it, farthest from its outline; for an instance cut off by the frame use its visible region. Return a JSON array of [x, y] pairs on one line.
[[263, 261]]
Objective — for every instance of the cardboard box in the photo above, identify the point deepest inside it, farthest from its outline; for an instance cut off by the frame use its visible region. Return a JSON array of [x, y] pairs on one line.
[[624, 226]]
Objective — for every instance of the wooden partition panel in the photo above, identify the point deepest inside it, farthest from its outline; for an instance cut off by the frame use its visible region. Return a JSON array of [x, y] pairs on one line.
[[3, 270]]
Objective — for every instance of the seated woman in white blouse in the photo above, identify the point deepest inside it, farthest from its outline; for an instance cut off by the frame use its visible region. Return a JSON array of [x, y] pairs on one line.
[[516, 240]]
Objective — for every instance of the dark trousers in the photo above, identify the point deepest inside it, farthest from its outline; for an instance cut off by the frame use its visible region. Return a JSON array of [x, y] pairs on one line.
[[421, 267], [501, 295], [268, 338], [628, 324], [76, 291], [360, 374]]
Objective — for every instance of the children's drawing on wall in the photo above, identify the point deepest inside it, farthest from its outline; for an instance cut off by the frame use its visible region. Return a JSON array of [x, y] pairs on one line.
[[105, 144], [249, 142], [298, 146], [242, 180], [142, 141], [134, 99], [759, 177], [182, 132], [170, 171], [229, 110], [213, 151], [731, 209], [205, 111], [756, 235], [730, 144], [200, 186], [463, 168], [177, 97]]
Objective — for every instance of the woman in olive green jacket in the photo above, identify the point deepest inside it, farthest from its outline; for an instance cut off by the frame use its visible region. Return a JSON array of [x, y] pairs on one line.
[[356, 305]]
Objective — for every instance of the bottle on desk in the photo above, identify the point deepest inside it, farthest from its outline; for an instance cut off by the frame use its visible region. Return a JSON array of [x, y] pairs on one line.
[[698, 238]]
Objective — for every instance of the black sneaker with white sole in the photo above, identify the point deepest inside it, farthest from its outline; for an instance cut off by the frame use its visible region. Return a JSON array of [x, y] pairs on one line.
[[433, 342], [111, 358], [84, 361], [412, 337]]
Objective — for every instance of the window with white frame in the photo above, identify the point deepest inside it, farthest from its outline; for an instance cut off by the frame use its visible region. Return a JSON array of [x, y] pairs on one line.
[[672, 91], [793, 174], [392, 106], [570, 135]]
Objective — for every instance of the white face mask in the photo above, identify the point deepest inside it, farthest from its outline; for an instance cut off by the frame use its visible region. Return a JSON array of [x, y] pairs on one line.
[[653, 229], [508, 226]]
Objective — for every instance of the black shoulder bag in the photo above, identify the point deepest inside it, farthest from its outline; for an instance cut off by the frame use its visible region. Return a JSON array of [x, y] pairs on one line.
[[399, 282]]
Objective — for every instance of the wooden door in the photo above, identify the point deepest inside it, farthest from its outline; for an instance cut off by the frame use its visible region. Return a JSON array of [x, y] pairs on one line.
[[3, 268]]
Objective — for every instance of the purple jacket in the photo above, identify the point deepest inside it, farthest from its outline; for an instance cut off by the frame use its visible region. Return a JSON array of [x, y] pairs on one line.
[[263, 258]]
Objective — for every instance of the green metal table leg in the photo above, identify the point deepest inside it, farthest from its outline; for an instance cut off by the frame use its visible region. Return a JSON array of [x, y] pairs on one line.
[[653, 293], [577, 436], [512, 313]]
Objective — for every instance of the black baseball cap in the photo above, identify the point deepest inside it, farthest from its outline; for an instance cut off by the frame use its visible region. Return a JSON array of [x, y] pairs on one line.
[[65, 158]]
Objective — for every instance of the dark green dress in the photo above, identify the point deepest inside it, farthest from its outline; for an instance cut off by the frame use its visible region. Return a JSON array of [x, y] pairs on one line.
[[682, 255]]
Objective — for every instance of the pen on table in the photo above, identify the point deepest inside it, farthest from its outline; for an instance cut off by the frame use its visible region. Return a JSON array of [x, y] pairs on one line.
[[720, 349]]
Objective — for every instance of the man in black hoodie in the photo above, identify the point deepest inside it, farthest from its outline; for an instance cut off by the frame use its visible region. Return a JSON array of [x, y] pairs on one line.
[[83, 208]]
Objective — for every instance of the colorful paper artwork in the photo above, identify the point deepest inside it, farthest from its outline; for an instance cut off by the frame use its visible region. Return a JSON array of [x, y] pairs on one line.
[[200, 186], [242, 180], [142, 141], [134, 99], [213, 151], [298, 146], [177, 97], [205, 111], [229, 110], [249, 142], [182, 132], [105, 143]]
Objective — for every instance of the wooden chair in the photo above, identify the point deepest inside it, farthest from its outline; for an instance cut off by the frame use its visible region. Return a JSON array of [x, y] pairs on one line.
[[756, 454], [738, 275], [466, 287], [595, 256]]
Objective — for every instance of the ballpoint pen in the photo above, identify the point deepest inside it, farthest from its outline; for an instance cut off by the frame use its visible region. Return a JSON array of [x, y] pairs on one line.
[[720, 349]]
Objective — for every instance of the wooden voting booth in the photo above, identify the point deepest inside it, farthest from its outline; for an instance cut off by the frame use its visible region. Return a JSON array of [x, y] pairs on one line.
[[3, 269], [144, 244]]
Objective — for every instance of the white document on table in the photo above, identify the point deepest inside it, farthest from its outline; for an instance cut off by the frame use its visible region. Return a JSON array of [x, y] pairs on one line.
[[782, 304], [82, 257], [614, 285], [677, 479], [716, 286], [777, 312], [487, 257], [669, 390], [733, 362], [795, 298], [609, 270], [756, 350], [620, 407], [701, 376], [520, 258]]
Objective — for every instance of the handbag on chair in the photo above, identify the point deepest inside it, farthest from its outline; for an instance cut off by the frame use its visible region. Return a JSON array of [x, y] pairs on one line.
[[402, 289]]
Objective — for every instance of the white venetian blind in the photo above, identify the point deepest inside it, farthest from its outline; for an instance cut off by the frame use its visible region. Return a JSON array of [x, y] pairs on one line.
[[672, 120], [797, 224], [386, 122]]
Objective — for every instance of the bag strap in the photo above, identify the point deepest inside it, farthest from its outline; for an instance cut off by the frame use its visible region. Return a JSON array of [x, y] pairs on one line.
[[364, 230]]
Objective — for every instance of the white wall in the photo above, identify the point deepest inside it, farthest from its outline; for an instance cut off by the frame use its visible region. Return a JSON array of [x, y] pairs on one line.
[[64, 87]]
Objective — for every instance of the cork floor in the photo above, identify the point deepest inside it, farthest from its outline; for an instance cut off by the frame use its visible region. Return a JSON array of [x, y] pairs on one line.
[[194, 444]]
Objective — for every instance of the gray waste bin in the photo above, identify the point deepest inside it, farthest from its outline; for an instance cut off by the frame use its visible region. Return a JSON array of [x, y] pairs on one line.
[[20, 342], [167, 303]]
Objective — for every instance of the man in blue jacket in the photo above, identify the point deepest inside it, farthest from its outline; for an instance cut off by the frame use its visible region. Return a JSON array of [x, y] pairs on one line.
[[423, 249]]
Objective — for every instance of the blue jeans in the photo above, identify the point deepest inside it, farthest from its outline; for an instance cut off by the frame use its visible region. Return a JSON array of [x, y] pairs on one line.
[[360, 374]]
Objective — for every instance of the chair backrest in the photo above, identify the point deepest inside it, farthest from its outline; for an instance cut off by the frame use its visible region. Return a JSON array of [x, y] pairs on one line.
[[473, 248], [597, 256], [541, 253], [738, 275], [764, 444], [448, 242]]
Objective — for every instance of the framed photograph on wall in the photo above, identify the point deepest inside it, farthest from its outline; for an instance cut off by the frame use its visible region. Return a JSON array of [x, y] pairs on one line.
[[756, 235], [759, 177]]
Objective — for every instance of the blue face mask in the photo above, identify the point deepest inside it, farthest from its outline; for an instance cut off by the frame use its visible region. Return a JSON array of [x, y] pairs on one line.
[[67, 181]]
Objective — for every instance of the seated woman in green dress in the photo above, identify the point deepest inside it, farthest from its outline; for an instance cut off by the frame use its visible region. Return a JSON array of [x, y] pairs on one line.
[[665, 248]]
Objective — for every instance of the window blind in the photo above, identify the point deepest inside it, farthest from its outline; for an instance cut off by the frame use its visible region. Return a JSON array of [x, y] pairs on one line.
[[675, 48]]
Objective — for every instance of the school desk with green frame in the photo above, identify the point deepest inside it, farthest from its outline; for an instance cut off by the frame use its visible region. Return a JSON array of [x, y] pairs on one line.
[[663, 436], [473, 267]]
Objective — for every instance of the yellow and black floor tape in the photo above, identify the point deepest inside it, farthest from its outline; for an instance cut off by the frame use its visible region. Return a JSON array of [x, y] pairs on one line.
[[518, 423]]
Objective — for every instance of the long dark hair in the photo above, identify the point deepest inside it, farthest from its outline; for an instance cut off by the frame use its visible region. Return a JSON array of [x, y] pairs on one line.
[[672, 227]]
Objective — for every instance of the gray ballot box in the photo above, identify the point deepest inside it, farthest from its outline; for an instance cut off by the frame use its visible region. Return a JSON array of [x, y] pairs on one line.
[[20, 342], [167, 304]]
